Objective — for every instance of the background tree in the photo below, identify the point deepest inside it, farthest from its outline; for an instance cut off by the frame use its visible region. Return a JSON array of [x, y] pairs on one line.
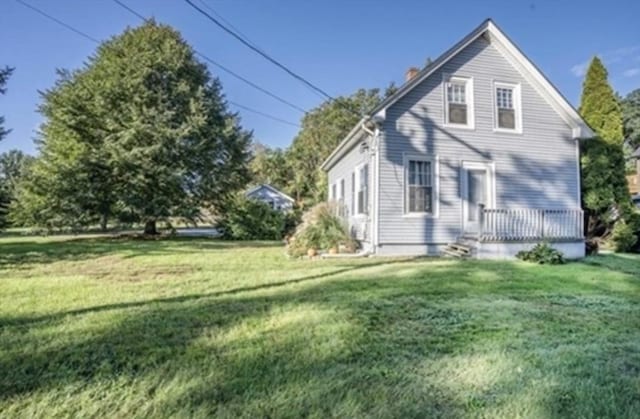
[[322, 130], [14, 165], [605, 194], [270, 166], [5, 73], [141, 132], [631, 122]]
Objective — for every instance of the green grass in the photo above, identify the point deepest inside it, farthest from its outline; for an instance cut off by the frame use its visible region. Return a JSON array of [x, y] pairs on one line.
[[98, 327]]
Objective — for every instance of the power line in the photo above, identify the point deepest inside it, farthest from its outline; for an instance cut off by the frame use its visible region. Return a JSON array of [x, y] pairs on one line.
[[224, 68], [59, 22], [219, 16], [96, 41], [275, 118], [260, 52]]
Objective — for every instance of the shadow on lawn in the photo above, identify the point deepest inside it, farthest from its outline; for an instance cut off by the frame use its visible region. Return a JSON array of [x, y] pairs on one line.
[[24, 253], [376, 350]]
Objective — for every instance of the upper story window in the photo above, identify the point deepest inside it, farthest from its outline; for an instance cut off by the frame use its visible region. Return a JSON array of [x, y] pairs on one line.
[[458, 101], [508, 113], [334, 193]]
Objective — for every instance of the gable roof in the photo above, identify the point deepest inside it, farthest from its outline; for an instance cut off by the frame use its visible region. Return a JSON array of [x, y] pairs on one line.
[[511, 52], [271, 188]]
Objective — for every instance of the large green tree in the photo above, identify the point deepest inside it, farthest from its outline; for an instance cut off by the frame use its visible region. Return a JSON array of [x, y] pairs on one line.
[[4, 77], [605, 194], [322, 130], [141, 132]]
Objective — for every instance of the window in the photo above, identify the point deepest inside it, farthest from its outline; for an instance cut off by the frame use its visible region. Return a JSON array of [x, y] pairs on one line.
[[333, 192], [353, 192], [458, 101], [363, 189], [507, 102], [341, 192], [419, 186]]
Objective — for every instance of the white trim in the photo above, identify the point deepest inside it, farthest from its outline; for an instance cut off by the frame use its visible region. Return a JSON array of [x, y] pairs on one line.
[[535, 77], [490, 168], [375, 224], [267, 186], [517, 106], [469, 99], [435, 179], [341, 186], [511, 52], [358, 169], [579, 174]]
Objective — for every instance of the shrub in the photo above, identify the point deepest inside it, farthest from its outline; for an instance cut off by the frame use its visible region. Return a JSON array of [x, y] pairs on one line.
[[291, 221], [542, 253], [320, 229], [248, 219], [623, 237]]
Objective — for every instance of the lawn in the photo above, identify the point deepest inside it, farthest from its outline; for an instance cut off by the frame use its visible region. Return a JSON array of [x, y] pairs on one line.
[[100, 327]]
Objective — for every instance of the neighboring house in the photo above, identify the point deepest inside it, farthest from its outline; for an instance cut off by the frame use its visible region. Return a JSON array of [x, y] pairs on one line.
[[274, 198], [477, 152]]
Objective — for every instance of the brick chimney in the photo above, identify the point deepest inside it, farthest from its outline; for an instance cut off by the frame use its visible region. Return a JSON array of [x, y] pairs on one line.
[[411, 73]]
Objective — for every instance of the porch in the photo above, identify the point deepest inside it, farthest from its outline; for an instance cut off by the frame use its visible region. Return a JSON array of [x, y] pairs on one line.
[[501, 233], [508, 225]]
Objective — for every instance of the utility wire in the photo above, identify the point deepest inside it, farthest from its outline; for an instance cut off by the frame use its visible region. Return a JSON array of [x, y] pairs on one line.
[[59, 22], [207, 6], [222, 67], [246, 108], [96, 41], [260, 52]]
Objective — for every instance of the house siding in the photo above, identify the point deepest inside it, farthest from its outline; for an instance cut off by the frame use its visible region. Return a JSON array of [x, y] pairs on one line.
[[359, 225], [535, 169]]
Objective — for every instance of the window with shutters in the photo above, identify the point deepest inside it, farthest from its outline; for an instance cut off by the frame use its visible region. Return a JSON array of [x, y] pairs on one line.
[[508, 115], [458, 97]]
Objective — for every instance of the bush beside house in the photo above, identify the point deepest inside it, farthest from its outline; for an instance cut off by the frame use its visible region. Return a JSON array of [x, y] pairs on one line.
[[321, 229]]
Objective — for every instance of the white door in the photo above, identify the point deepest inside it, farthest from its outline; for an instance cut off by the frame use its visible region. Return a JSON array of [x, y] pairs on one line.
[[477, 188]]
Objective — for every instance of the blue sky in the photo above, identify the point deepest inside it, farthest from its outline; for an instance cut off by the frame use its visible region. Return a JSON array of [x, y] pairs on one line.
[[340, 45]]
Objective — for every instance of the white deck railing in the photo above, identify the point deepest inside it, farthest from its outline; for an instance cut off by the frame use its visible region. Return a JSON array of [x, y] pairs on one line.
[[530, 224]]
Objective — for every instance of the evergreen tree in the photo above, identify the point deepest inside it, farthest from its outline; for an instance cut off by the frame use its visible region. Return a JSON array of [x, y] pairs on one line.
[[604, 189], [13, 167], [4, 76], [599, 106], [141, 132]]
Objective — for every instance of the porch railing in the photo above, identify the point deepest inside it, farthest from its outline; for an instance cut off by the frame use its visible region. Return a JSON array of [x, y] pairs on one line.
[[530, 224]]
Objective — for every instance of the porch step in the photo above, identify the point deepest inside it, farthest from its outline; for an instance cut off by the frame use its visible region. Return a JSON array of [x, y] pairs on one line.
[[460, 249]]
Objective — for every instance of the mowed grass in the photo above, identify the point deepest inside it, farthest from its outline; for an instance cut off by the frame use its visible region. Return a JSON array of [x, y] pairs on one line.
[[100, 327]]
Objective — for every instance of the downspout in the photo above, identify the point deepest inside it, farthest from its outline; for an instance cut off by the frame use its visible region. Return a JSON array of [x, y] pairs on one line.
[[374, 134]]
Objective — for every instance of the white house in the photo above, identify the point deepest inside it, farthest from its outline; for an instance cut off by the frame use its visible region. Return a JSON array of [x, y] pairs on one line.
[[276, 199], [478, 153]]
